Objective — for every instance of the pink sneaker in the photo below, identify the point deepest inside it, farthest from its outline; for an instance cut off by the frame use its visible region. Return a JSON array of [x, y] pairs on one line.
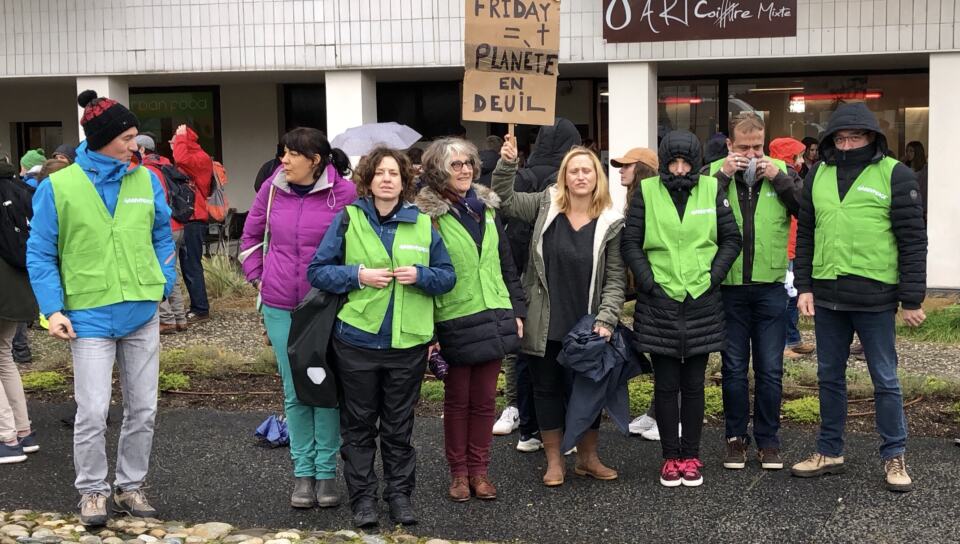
[[690, 472], [670, 473]]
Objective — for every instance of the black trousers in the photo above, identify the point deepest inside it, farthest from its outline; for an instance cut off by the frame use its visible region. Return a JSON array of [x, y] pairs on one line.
[[551, 388], [672, 375], [379, 390]]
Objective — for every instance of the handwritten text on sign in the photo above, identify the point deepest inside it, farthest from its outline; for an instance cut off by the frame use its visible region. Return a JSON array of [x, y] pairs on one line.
[[511, 56], [665, 20]]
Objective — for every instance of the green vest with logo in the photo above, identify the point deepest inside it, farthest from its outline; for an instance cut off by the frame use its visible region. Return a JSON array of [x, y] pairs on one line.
[[681, 252], [855, 236], [412, 308], [480, 283], [105, 260], [771, 231]]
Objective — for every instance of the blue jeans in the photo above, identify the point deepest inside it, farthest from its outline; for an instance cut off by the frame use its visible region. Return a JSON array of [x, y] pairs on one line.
[[878, 337], [191, 266], [754, 316]]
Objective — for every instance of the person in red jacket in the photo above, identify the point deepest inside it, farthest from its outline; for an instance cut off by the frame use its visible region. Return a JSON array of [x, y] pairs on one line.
[[196, 163]]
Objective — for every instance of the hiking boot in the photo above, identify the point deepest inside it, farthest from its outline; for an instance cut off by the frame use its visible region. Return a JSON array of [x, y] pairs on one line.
[[303, 493], [530, 443], [326, 492], [168, 328], [12, 454], [897, 477], [509, 421], [365, 513], [788, 353], [401, 510], [193, 317], [736, 457], [641, 424], [459, 490], [29, 443], [133, 502], [690, 475], [93, 510], [818, 465], [670, 473], [803, 348], [770, 458], [482, 487], [182, 326]]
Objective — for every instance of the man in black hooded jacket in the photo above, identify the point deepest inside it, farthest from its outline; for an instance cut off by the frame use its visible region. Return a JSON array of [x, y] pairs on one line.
[[861, 254]]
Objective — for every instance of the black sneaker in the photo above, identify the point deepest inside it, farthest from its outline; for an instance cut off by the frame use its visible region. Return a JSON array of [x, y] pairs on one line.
[[736, 453], [401, 510], [12, 454], [770, 458], [193, 317], [365, 513]]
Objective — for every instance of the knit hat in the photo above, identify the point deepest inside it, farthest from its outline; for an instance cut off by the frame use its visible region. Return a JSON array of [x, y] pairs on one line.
[[34, 157], [103, 119], [146, 142], [68, 151]]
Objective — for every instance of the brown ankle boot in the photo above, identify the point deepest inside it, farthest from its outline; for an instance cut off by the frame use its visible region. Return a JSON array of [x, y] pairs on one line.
[[459, 489], [588, 462], [556, 465], [482, 487]]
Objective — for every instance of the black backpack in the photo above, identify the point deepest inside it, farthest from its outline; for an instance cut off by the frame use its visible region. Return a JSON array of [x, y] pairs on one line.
[[180, 195], [16, 210]]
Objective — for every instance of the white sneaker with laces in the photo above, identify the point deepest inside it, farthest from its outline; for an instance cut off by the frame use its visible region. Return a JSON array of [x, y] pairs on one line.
[[653, 433], [529, 444], [509, 421], [642, 423]]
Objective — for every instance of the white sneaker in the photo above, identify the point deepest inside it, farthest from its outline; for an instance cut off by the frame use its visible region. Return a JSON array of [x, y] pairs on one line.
[[509, 421], [529, 444], [572, 451], [653, 433], [642, 423]]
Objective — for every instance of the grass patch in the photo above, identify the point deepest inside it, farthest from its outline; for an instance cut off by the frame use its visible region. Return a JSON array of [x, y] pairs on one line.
[[802, 410], [224, 278], [713, 401], [209, 361], [956, 411], [47, 381], [431, 391], [800, 373], [942, 325], [174, 381]]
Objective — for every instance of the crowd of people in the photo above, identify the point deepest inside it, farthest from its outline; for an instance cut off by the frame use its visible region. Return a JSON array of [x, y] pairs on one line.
[[459, 255]]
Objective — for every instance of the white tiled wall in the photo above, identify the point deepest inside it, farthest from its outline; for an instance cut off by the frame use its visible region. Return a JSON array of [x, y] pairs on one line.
[[75, 37]]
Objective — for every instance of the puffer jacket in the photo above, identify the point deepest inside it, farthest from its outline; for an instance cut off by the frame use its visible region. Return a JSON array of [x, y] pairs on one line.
[[856, 293], [609, 275], [490, 334], [665, 326], [297, 224], [17, 302]]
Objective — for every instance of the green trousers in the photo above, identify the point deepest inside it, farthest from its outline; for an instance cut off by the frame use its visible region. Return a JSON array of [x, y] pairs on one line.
[[314, 432]]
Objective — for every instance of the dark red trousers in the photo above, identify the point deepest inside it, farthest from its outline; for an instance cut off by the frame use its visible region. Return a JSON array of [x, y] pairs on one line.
[[469, 409]]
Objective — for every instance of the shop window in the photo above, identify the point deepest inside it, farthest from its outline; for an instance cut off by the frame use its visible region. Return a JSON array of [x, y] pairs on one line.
[[430, 108], [44, 135], [161, 110], [305, 106], [688, 105]]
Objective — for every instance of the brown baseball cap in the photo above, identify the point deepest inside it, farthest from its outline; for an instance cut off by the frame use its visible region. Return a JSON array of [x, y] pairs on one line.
[[635, 155]]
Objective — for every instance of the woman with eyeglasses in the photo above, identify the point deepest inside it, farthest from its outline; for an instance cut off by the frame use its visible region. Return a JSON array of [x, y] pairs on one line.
[[480, 320], [389, 262], [574, 269]]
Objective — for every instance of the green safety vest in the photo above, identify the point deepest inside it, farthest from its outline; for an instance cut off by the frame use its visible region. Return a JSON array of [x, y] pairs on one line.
[[681, 252], [771, 231], [412, 308], [855, 236], [480, 283], [105, 260]]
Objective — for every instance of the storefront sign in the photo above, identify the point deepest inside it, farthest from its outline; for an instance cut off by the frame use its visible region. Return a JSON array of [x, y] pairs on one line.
[[626, 21], [511, 56]]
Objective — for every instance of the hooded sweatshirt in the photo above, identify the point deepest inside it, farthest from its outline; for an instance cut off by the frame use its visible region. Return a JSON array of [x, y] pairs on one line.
[[856, 293]]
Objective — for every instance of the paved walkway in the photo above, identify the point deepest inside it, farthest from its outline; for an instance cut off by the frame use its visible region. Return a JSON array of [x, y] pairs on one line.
[[205, 468]]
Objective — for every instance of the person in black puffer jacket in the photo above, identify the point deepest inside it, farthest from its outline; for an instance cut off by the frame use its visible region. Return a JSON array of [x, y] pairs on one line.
[[861, 253], [679, 312]]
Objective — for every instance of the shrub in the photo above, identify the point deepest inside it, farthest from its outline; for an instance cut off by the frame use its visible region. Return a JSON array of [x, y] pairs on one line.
[[802, 410], [431, 391], [640, 391], [43, 381], [174, 381], [224, 278], [713, 401]]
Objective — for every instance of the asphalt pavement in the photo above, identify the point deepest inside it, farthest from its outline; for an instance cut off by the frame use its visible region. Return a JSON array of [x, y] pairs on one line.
[[206, 467]]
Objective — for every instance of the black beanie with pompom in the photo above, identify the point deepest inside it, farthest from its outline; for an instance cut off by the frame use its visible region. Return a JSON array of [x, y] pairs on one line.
[[103, 119]]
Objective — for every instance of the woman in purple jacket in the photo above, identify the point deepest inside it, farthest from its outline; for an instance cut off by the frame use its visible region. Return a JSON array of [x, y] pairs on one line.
[[288, 219]]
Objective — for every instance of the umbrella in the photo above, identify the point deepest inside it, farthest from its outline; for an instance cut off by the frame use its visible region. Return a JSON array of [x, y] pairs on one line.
[[361, 140]]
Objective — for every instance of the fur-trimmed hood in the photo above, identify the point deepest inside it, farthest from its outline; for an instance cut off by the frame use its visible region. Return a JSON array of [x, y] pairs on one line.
[[434, 205]]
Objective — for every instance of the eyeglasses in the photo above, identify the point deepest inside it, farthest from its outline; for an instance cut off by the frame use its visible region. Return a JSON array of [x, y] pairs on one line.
[[853, 138], [458, 165]]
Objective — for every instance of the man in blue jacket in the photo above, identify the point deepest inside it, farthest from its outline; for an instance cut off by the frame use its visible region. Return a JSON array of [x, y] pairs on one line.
[[101, 258]]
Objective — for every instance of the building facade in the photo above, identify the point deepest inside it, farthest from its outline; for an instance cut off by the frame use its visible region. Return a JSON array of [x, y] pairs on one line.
[[244, 71]]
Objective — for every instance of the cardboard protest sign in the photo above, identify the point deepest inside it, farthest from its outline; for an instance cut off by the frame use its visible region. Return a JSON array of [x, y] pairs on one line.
[[511, 58]]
